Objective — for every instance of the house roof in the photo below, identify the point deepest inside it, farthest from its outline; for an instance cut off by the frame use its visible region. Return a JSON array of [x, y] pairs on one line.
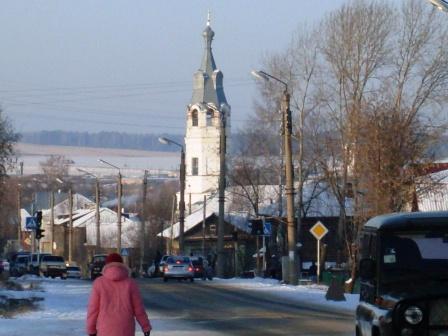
[[318, 202]]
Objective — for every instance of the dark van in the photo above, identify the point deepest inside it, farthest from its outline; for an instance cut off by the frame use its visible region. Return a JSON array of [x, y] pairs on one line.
[[96, 266], [404, 275]]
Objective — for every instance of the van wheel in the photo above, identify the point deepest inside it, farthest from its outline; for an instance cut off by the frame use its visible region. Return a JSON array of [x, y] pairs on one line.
[[165, 279], [191, 279]]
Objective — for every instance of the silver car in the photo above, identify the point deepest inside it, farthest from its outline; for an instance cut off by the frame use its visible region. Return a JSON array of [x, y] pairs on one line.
[[178, 267], [74, 272]]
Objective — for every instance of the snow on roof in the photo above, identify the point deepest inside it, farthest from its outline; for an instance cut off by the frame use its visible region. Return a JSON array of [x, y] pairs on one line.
[[319, 201], [192, 220], [85, 218], [435, 199], [79, 202]]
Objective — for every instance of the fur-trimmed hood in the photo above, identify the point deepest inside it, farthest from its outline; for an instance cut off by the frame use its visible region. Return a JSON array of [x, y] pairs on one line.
[[116, 271]]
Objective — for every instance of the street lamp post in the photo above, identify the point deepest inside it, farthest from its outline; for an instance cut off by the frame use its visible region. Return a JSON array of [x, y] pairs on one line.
[[97, 209], [143, 222], [119, 193], [167, 141], [289, 174]]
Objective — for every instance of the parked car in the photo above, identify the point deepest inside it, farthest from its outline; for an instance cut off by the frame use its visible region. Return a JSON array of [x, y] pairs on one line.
[[96, 266], [162, 263], [74, 272], [53, 266], [13, 259], [404, 275], [35, 260], [198, 267], [20, 266], [178, 267]]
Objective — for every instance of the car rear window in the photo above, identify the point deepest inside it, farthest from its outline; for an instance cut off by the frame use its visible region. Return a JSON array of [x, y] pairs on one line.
[[73, 268], [177, 260], [53, 258], [197, 262], [99, 259]]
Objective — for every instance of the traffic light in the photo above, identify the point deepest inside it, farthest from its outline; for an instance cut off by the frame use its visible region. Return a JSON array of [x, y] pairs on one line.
[[256, 226], [39, 234], [39, 218], [235, 235]]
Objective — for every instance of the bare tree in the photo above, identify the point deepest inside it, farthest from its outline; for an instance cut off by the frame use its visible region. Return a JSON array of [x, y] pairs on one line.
[[55, 167], [8, 137]]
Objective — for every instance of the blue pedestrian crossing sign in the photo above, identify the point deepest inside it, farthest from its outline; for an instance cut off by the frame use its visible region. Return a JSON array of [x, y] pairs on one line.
[[124, 252], [30, 223], [267, 228]]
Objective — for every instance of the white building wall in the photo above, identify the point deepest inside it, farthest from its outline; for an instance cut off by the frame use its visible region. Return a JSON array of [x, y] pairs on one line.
[[202, 142]]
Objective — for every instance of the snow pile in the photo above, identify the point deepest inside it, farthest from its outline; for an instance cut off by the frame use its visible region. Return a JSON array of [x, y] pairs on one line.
[[312, 294]]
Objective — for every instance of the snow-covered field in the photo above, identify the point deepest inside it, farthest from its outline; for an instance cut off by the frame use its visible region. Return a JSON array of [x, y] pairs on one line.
[[63, 310]]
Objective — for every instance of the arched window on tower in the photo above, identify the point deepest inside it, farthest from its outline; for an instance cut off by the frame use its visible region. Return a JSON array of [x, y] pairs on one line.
[[194, 118], [209, 118]]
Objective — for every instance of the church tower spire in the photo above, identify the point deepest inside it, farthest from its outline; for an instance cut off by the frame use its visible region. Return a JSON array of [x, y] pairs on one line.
[[208, 80], [205, 113]]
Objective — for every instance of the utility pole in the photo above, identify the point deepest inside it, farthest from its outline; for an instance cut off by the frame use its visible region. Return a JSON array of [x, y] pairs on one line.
[[97, 209], [19, 217], [204, 213], [182, 201], [119, 192], [189, 203], [289, 189], [70, 225], [119, 213], [143, 221], [51, 233], [173, 212], [97, 215], [221, 197], [289, 174]]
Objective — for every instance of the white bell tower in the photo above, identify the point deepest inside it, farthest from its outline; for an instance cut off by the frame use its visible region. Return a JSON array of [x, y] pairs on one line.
[[205, 114]]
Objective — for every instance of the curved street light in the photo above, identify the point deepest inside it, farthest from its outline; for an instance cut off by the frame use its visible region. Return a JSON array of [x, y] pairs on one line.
[[167, 141], [289, 173], [441, 5]]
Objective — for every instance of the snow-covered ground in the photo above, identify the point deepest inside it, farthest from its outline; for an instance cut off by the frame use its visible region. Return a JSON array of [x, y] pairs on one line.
[[313, 294], [63, 310]]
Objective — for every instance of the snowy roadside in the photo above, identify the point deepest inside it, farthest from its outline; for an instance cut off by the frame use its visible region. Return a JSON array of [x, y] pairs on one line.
[[313, 294]]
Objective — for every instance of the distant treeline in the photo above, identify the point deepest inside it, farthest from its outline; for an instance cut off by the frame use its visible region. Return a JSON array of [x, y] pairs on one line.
[[102, 139]]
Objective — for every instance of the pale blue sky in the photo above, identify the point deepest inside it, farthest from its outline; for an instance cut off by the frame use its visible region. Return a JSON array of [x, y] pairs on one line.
[[128, 65]]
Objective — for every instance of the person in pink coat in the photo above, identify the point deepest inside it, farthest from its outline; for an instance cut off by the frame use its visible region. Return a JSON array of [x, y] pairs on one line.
[[115, 302]]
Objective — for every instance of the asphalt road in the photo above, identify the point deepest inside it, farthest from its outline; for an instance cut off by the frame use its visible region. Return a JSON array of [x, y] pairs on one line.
[[206, 308]]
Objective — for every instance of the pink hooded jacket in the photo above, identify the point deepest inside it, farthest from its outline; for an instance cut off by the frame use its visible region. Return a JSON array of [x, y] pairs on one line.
[[114, 302]]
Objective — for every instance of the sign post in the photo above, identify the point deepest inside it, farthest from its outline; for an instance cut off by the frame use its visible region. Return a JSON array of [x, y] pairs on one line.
[[318, 231]]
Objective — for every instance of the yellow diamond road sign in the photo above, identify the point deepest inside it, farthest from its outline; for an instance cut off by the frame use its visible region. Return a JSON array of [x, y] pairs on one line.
[[319, 230]]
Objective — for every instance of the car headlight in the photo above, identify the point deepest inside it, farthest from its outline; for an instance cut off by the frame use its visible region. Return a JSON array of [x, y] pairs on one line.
[[413, 315]]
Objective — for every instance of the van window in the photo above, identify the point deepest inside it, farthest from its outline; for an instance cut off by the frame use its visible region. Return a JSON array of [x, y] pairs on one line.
[[52, 258]]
